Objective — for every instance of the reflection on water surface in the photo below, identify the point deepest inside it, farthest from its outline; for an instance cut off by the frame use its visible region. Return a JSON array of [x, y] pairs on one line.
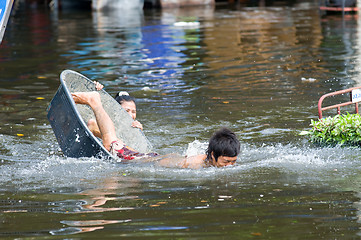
[[257, 70]]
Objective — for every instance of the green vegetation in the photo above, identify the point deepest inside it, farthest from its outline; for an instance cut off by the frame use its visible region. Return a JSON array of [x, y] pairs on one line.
[[338, 130]]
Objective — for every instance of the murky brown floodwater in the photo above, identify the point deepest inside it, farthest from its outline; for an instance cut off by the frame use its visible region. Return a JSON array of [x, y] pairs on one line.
[[257, 70]]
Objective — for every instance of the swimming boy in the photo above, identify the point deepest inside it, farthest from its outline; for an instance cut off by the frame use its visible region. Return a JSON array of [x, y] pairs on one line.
[[222, 150], [126, 102], [107, 131]]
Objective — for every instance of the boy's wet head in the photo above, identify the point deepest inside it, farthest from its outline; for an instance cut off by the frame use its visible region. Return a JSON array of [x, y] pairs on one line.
[[127, 102], [223, 148]]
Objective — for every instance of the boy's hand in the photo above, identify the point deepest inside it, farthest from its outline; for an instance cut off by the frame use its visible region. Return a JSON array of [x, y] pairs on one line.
[[98, 86], [137, 124]]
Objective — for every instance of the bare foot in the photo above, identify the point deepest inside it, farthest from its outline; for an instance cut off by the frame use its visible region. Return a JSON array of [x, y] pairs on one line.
[[87, 98]]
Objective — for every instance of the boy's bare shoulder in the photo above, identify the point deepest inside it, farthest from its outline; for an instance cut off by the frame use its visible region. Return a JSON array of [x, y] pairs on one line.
[[195, 162]]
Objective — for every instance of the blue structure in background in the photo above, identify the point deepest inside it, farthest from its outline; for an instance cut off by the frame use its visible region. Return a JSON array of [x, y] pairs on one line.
[[5, 9], [164, 48]]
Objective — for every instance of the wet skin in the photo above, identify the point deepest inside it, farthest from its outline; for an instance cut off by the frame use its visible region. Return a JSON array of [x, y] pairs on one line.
[[224, 161], [130, 108]]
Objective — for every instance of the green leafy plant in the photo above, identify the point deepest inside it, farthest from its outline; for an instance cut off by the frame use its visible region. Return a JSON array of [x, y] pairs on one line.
[[338, 130]]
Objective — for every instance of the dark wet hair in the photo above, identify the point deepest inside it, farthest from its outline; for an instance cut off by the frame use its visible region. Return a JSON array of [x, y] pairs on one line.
[[223, 143], [124, 97]]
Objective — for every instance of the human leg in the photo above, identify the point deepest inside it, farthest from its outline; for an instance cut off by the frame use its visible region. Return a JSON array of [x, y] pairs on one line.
[[103, 120], [93, 127]]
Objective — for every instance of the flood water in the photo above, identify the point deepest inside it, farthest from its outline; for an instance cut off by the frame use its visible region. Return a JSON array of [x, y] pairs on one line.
[[258, 70]]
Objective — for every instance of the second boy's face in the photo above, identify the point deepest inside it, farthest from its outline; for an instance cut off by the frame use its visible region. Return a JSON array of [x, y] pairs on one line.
[[130, 108], [224, 161]]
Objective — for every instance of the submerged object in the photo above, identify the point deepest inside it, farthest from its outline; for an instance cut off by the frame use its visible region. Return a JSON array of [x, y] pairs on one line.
[[355, 98], [341, 129], [68, 120]]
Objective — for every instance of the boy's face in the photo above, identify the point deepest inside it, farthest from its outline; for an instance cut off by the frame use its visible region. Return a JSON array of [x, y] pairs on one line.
[[130, 108], [224, 161]]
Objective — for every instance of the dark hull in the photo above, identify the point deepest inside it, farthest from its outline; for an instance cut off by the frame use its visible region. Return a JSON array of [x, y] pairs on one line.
[[68, 120], [74, 138]]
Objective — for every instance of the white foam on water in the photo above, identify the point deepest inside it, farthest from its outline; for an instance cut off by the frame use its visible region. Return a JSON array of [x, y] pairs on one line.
[[291, 157], [187, 24], [26, 164], [196, 147]]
